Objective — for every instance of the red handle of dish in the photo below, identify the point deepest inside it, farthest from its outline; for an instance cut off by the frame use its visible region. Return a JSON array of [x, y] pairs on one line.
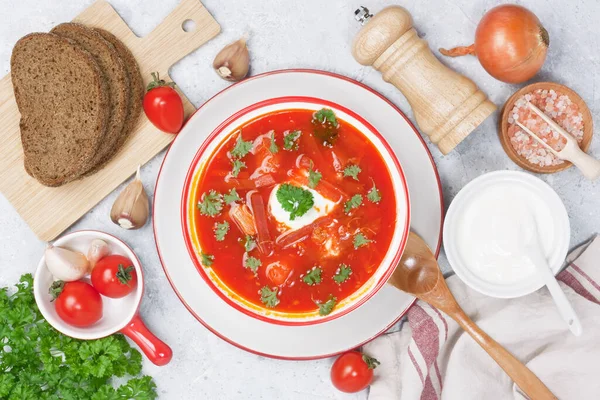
[[155, 349]]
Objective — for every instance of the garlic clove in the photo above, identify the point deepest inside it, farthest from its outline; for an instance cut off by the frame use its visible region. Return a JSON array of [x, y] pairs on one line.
[[98, 250], [233, 61], [66, 265], [131, 208]]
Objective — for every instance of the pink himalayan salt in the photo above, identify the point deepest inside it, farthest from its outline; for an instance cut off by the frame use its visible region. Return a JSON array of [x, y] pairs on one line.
[[557, 106]]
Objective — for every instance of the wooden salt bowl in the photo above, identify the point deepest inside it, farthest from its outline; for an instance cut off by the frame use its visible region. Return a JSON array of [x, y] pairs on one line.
[[503, 125]]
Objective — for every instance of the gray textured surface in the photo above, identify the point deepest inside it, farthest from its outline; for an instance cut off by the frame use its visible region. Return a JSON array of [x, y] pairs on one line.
[[309, 34]]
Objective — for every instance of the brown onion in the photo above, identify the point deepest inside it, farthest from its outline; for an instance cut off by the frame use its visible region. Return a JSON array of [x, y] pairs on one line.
[[510, 43]]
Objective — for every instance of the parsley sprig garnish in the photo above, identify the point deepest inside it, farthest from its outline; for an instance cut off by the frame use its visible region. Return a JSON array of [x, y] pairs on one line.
[[273, 148], [325, 115], [313, 177], [295, 200], [343, 274], [352, 171], [210, 204], [374, 196], [290, 140], [231, 197], [206, 259], [354, 202], [327, 307], [249, 243], [360, 240], [252, 263], [313, 277], [221, 230], [241, 148], [269, 297], [237, 167]]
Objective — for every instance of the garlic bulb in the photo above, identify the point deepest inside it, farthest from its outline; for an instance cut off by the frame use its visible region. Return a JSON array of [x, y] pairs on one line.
[[98, 249], [131, 208], [66, 265], [233, 61]]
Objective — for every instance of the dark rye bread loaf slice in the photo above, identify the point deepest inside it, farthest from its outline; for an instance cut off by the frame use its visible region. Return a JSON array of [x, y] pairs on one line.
[[136, 92], [115, 75], [64, 105]]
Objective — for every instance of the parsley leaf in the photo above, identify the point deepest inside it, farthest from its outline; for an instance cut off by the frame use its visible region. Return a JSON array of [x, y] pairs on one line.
[[352, 171], [327, 307], [237, 167], [360, 240], [374, 196], [313, 277], [273, 148], [269, 297], [325, 115], [354, 202], [241, 148], [253, 263], [313, 178], [211, 204], [231, 197], [45, 364], [295, 200], [250, 243], [290, 140], [221, 230], [343, 274], [206, 259]]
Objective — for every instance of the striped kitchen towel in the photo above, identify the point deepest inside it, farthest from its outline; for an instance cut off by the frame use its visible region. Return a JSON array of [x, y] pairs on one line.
[[431, 358]]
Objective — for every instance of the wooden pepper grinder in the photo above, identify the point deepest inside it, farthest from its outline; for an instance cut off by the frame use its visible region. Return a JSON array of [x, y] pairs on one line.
[[446, 105]]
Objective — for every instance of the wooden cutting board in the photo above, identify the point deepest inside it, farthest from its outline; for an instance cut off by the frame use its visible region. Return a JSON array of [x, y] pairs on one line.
[[49, 211]]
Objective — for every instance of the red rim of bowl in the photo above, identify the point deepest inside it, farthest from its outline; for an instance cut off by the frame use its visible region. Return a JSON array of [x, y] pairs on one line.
[[335, 76], [389, 269], [140, 279]]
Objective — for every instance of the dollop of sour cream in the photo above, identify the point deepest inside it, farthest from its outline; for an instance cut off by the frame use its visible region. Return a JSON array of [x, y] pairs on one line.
[[321, 207], [492, 227]]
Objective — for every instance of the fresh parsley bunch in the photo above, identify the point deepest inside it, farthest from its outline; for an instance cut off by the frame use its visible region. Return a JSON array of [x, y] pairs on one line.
[[38, 362]]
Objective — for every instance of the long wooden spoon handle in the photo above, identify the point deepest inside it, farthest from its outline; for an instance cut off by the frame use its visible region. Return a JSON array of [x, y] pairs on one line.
[[529, 383]]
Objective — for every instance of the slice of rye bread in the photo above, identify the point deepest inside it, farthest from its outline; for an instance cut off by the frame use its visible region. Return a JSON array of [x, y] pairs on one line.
[[115, 74], [137, 91], [64, 105]]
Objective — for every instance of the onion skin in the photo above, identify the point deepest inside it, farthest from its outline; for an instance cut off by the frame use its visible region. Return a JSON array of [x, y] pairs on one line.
[[510, 43]]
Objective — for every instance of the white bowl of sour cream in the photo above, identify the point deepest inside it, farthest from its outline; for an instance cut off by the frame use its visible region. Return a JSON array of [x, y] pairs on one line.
[[483, 228]]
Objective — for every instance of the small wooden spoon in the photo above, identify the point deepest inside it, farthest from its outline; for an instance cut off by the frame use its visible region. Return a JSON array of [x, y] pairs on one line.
[[419, 274]]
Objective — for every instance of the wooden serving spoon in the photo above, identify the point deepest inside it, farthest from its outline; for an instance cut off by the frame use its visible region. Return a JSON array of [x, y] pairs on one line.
[[418, 273]]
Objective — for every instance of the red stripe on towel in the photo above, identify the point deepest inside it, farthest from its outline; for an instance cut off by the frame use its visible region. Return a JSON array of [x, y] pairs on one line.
[[425, 333], [428, 392], [439, 375], [586, 276], [443, 321], [572, 282]]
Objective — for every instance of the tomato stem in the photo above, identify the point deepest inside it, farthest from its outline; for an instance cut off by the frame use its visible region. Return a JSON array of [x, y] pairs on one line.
[[56, 289], [124, 274], [157, 82], [371, 362]]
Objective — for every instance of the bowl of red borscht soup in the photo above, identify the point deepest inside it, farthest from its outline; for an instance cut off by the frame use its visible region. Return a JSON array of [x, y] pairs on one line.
[[295, 211]]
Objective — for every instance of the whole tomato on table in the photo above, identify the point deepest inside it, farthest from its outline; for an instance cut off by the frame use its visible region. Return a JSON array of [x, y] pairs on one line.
[[163, 105], [353, 371], [114, 276], [77, 303]]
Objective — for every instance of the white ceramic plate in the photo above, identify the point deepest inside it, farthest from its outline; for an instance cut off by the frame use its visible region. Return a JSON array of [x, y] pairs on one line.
[[292, 342]]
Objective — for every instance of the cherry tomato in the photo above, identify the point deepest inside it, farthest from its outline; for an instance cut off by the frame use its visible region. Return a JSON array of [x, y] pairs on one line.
[[163, 106], [77, 303], [114, 276], [353, 371]]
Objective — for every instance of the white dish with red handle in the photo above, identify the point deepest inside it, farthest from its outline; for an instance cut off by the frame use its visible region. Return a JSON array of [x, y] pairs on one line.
[[119, 315]]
